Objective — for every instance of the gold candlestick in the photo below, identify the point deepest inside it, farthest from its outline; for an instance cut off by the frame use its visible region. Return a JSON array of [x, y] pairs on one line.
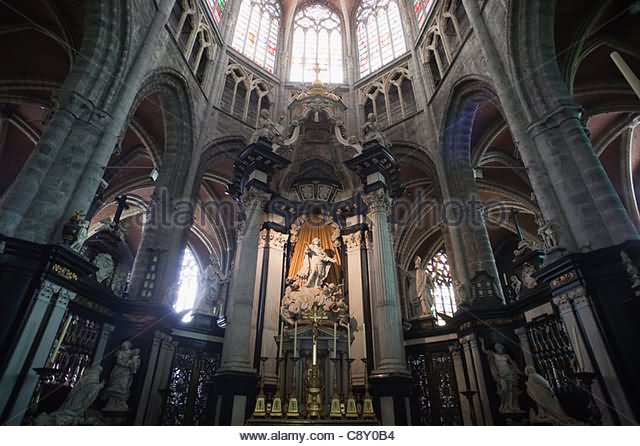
[[260, 409], [276, 404], [367, 402], [292, 407], [352, 408]]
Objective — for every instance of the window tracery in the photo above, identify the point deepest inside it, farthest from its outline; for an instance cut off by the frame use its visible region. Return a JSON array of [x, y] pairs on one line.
[[217, 8], [188, 284], [380, 34], [443, 292], [422, 8], [256, 33], [245, 94], [390, 97], [317, 39]]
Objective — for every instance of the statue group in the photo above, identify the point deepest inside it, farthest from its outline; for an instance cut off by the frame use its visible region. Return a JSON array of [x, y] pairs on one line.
[[316, 265]]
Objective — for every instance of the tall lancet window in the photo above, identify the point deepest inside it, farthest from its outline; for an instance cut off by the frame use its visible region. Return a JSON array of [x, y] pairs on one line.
[[380, 34], [443, 293], [217, 8], [317, 45], [256, 34], [188, 284]]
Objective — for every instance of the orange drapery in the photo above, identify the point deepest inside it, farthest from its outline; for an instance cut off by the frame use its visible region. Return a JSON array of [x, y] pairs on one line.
[[308, 232]]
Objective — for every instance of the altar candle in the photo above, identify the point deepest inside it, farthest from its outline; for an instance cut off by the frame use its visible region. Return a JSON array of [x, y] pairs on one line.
[[335, 340], [281, 339], [315, 351], [295, 339], [349, 340], [364, 341]]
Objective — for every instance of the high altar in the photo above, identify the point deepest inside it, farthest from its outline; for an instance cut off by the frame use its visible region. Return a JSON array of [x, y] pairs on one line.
[[323, 229]]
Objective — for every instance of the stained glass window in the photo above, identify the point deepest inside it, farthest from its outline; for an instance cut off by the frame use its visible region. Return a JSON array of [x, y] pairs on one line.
[[217, 7], [317, 39], [443, 293], [380, 34], [256, 33], [422, 9], [188, 284]]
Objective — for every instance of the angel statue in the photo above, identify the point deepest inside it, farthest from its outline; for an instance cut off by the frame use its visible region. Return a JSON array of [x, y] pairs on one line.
[[548, 405], [73, 410], [505, 373], [316, 264]]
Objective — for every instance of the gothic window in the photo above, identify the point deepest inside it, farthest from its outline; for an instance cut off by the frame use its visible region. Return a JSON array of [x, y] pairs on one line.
[[188, 284], [317, 39], [201, 53], [443, 293], [422, 9], [217, 8], [435, 56], [380, 34], [256, 33]]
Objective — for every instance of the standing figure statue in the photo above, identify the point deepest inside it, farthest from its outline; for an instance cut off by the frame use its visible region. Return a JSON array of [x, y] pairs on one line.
[[528, 279], [81, 236], [371, 131], [424, 289], [209, 302], [119, 387], [266, 128], [316, 264], [506, 375]]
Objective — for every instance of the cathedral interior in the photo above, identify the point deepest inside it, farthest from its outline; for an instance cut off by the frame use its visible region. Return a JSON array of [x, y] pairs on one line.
[[335, 212]]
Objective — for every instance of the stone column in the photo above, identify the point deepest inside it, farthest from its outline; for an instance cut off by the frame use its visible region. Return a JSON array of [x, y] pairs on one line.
[[473, 381], [458, 367], [156, 379], [275, 242], [19, 379], [354, 247], [575, 195], [385, 299], [525, 346], [578, 316]]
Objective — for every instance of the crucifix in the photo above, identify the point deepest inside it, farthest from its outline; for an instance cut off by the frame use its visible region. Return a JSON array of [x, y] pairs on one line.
[[122, 206], [315, 317], [317, 70]]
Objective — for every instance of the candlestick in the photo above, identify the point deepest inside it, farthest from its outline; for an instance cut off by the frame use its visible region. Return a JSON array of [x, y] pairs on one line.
[[315, 349], [335, 340], [364, 341], [295, 339], [349, 340], [281, 335]]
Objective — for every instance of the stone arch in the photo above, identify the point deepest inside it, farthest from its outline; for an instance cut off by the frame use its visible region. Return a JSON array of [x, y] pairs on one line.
[[472, 251]]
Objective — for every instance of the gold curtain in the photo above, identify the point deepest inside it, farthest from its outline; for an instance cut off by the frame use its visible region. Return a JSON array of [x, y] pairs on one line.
[[307, 233]]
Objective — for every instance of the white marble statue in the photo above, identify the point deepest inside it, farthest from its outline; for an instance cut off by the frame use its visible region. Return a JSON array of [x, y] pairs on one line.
[[424, 289], [105, 265], [506, 374], [316, 264], [212, 280], [371, 131], [119, 387], [548, 406], [73, 410], [81, 236], [528, 270], [266, 128]]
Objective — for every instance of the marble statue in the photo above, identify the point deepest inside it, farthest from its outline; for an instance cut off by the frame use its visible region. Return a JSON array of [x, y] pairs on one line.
[[516, 285], [423, 289], [548, 406], [73, 410], [316, 264], [212, 280], [266, 128], [81, 236], [529, 282], [119, 387], [371, 131], [105, 265], [298, 301], [506, 374]]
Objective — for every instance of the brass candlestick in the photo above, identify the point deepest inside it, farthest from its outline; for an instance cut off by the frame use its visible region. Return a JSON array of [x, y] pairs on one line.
[[367, 402], [352, 408], [336, 410], [293, 410], [276, 404], [260, 409]]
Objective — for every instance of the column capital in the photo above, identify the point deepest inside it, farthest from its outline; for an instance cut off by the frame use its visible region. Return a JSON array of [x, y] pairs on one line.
[[270, 238], [377, 201]]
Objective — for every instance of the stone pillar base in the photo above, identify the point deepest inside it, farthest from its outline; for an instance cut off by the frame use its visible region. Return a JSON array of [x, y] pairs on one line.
[[393, 393], [232, 397]]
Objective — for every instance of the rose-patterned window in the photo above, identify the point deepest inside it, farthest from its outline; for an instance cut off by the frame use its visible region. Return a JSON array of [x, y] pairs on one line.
[[443, 292], [188, 284], [256, 33], [380, 34], [317, 44]]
